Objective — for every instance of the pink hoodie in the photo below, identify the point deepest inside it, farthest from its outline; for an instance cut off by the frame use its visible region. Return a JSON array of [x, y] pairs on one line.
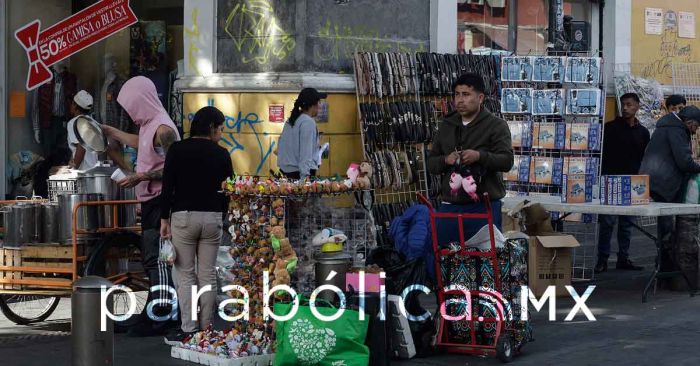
[[139, 98]]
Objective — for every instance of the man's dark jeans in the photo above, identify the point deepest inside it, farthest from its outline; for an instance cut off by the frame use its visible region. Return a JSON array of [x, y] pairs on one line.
[[624, 234], [158, 274]]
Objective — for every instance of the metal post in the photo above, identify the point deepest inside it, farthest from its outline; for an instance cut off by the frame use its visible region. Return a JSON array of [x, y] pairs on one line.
[[601, 7], [513, 25], [91, 346]]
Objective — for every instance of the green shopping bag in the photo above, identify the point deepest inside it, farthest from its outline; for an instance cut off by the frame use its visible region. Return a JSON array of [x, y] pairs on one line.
[[307, 340]]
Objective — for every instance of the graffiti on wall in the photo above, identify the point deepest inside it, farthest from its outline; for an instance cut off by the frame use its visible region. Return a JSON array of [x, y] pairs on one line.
[[192, 35], [235, 127], [256, 34], [672, 49], [345, 40]]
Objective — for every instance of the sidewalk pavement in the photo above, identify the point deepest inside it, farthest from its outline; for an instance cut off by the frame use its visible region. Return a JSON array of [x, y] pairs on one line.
[[663, 331]]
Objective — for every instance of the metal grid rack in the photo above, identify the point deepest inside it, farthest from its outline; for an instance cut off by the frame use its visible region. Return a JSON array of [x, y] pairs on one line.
[[307, 218], [584, 256], [58, 187], [686, 81], [583, 227]]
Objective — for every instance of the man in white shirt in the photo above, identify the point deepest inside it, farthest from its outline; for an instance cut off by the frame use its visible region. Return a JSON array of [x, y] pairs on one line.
[[83, 159]]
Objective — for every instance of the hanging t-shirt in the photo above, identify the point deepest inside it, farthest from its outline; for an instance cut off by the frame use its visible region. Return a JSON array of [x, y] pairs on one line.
[[91, 158]]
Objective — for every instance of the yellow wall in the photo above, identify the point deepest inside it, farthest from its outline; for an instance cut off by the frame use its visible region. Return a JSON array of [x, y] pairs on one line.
[[656, 53], [251, 138], [610, 108]]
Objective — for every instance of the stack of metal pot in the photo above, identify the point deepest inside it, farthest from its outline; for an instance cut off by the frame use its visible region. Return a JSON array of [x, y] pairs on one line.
[[21, 223], [98, 180], [88, 217], [28, 222]]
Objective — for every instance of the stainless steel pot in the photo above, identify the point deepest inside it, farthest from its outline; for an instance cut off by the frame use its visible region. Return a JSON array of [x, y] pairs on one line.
[[127, 213], [20, 225], [98, 180], [88, 217], [49, 217], [11, 230]]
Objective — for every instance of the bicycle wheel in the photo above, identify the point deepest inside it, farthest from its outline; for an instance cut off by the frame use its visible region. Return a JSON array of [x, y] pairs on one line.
[[27, 309], [115, 258]]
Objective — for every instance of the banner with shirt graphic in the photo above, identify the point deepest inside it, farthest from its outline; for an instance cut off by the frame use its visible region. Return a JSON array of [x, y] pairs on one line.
[[71, 35]]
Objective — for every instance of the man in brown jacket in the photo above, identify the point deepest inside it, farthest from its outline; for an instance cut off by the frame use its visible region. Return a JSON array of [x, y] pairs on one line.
[[470, 142]]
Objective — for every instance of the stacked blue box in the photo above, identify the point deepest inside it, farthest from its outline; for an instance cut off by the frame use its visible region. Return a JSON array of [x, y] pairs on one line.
[[577, 188], [557, 170], [594, 137], [524, 170], [625, 190], [560, 136], [592, 166], [526, 134]]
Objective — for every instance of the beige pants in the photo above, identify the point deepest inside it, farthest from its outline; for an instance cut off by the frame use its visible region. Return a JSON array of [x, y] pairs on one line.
[[196, 238]]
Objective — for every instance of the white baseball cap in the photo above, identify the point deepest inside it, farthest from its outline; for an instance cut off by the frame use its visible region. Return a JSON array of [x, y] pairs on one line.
[[83, 99]]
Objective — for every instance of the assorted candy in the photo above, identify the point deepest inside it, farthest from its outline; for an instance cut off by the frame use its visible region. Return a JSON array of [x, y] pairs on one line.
[[229, 343]]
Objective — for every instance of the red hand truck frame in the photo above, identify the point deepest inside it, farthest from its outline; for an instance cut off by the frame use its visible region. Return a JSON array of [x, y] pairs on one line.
[[503, 340]]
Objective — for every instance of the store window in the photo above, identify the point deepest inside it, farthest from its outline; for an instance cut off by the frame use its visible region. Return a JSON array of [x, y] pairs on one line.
[[483, 25]]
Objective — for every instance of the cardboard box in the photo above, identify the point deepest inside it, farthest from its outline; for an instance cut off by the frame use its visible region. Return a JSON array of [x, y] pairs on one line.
[[514, 171], [624, 190], [549, 135], [549, 262], [537, 219], [546, 170], [577, 188], [512, 220]]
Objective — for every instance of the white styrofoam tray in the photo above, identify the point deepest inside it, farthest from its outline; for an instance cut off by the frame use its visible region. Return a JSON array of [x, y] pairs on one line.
[[211, 360]]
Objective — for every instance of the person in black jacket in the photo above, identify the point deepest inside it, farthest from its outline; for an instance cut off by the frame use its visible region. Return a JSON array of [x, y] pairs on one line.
[[192, 212], [470, 142], [669, 161], [624, 142]]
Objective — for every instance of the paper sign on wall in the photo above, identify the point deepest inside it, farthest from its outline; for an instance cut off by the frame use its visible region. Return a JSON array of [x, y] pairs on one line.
[[276, 113], [18, 104], [686, 24], [69, 36], [653, 21]]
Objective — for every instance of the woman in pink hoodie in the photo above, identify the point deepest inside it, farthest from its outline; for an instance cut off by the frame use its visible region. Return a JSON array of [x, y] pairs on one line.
[[157, 132]]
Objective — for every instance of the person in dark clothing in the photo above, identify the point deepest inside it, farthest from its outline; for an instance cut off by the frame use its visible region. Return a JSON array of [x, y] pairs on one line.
[[669, 162], [675, 102], [470, 141], [624, 142], [192, 212]]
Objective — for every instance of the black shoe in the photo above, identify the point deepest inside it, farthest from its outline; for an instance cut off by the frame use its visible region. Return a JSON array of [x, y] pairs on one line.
[[627, 264], [177, 337], [601, 266]]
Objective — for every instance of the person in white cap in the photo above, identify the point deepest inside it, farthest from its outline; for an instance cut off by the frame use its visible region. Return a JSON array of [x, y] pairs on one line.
[[83, 159]]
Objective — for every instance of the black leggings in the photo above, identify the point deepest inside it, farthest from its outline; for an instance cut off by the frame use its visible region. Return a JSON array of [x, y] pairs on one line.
[[296, 175]]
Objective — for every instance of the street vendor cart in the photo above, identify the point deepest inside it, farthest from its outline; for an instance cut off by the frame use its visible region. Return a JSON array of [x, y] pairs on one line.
[[34, 275]]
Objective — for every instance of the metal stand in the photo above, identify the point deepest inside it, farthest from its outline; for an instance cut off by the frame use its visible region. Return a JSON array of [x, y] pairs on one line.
[[656, 274]]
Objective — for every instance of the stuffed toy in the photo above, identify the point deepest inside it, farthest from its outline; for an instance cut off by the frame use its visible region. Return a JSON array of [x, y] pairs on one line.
[[352, 173], [364, 179], [469, 186], [277, 233], [455, 183]]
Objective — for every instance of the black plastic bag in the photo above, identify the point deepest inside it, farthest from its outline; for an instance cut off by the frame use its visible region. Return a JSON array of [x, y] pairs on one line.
[[400, 274]]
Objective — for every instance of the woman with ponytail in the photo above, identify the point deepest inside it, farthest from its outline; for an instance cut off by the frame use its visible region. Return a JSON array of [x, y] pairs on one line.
[[298, 144]]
